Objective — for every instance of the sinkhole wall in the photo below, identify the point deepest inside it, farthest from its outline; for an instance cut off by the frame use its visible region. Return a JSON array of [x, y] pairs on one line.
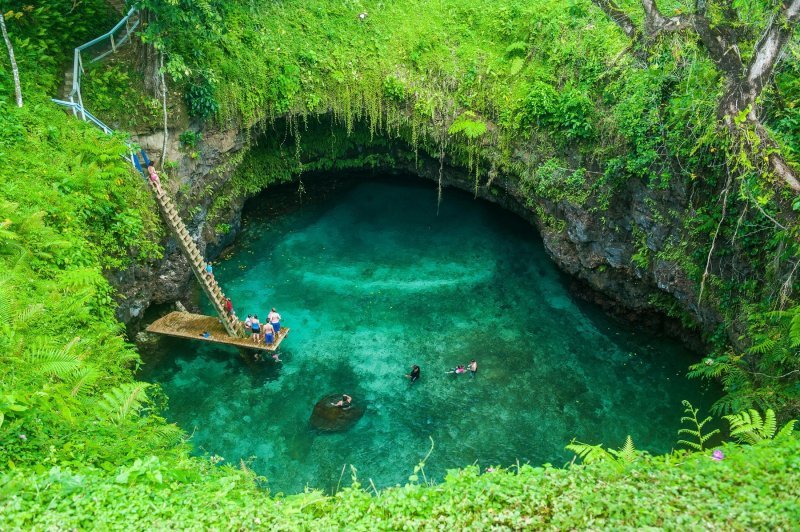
[[600, 244]]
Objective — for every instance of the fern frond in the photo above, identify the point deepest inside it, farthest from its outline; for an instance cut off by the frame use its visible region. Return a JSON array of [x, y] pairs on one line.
[[590, 453], [691, 445], [770, 424], [122, 401], [787, 429], [60, 363], [27, 314], [794, 328], [167, 435], [6, 303], [83, 379], [764, 346], [628, 451]]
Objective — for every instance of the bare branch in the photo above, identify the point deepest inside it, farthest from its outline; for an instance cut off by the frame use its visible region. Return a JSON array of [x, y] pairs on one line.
[[14, 70], [619, 16], [656, 23], [769, 49]]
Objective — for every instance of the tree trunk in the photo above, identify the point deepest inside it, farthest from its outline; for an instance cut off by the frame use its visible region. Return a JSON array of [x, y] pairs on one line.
[[148, 61], [744, 82], [14, 70]]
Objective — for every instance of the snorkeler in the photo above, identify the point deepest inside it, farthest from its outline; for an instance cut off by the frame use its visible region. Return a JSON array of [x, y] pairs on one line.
[[414, 375], [345, 402]]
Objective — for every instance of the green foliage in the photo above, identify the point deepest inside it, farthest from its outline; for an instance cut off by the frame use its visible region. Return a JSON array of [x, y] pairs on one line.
[[394, 89], [695, 428], [201, 99], [767, 373], [468, 125], [754, 487], [539, 92], [619, 458], [750, 427], [190, 139]]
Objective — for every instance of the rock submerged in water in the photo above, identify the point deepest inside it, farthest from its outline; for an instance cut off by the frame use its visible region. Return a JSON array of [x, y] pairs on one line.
[[329, 418]]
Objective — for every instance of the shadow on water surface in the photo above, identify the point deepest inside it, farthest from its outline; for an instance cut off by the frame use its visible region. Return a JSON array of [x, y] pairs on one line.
[[372, 280]]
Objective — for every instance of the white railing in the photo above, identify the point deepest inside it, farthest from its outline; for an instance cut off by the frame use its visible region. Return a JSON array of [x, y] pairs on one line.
[[89, 117], [97, 49]]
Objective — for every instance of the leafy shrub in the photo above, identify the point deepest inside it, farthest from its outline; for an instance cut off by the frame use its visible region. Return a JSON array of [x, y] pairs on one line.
[[200, 99]]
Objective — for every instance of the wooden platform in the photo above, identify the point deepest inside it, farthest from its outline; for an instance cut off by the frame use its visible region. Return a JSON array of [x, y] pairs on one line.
[[192, 326]]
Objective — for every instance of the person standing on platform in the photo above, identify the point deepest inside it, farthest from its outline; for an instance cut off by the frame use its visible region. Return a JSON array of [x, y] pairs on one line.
[[275, 319], [269, 333], [256, 328]]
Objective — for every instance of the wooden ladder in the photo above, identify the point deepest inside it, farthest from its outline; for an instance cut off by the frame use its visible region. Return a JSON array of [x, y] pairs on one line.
[[210, 286]]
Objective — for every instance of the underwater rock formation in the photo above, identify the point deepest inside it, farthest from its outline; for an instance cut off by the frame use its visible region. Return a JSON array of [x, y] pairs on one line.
[[328, 418]]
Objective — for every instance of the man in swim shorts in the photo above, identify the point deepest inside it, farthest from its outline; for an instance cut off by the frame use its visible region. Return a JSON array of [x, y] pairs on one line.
[[472, 367], [275, 319], [269, 333]]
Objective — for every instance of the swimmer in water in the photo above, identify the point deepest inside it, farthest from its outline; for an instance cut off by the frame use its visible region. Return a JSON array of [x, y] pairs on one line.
[[345, 402], [473, 368], [414, 375], [458, 370]]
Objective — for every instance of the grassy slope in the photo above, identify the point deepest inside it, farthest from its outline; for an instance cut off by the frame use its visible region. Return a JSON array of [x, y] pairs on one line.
[[73, 450]]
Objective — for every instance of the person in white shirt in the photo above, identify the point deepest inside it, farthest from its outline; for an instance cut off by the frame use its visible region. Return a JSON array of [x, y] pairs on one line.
[[275, 319]]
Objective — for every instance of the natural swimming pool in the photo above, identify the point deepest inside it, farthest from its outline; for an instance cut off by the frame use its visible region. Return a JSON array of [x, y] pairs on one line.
[[371, 280]]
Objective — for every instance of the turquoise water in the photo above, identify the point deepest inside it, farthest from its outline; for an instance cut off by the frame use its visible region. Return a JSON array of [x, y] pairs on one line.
[[371, 280]]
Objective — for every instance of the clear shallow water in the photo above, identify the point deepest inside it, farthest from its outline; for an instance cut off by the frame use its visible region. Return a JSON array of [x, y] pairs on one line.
[[372, 281]]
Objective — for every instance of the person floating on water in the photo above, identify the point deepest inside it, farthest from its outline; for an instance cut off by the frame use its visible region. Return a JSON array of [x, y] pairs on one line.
[[458, 370], [345, 402], [473, 368], [414, 375]]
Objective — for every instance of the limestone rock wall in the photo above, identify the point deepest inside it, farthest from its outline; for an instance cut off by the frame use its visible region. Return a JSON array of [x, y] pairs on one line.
[[596, 248]]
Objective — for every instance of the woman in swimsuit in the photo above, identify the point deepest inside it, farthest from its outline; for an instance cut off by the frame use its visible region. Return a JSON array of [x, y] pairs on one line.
[[255, 326], [346, 402]]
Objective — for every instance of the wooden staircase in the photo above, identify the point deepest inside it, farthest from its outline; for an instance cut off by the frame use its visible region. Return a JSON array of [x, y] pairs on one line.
[[232, 325]]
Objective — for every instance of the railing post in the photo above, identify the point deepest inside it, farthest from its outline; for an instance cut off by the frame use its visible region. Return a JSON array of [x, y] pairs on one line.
[[113, 46]]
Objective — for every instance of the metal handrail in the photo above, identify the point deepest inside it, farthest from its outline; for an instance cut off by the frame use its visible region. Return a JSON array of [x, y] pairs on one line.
[[89, 117], [131, 21]]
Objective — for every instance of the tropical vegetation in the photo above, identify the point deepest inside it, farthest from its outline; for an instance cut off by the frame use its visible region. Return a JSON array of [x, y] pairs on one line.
[[570, 100]]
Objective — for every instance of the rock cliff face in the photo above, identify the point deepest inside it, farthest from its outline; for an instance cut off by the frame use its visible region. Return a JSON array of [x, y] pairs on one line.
[[189, 183], [597, 248]]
